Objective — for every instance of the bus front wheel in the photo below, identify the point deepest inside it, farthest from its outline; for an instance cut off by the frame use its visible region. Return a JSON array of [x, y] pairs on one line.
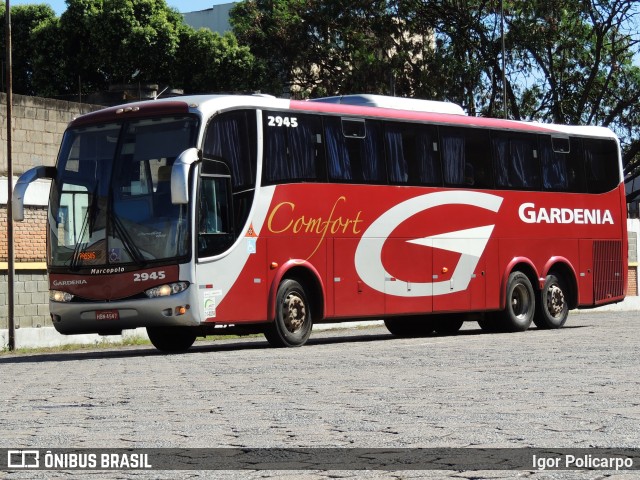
[[293, 323], [521, 304], [552, 309], [171, 339]]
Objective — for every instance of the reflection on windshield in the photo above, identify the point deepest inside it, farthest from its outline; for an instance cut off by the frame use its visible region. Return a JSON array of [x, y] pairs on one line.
[[111, 202]]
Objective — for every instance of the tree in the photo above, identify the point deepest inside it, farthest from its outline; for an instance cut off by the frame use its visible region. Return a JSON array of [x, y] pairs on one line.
[[25, 20], [320, 48], [209, 62], [120, 41]]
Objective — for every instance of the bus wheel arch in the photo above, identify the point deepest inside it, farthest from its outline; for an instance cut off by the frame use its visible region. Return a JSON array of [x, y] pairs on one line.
[[296, 300]]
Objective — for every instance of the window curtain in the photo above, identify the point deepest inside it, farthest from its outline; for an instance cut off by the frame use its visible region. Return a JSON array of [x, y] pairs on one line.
[[500, 151], [372, 160], [338, 162], [398, 168], [554, 169], [453, 151], [275, 155], [428, 164], [224, 141], [303, 151]]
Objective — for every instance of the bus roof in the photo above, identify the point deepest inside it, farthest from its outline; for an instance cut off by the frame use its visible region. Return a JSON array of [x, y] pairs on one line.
[[377, 106], [395, 103]]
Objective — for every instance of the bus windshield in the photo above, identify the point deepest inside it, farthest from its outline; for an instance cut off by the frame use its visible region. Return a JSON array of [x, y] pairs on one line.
[[111, 204]]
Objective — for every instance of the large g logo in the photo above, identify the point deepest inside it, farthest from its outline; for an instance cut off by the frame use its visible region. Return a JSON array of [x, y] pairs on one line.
[[470, 243]]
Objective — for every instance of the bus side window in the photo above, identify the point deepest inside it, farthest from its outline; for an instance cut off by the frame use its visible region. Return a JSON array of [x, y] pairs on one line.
[[465, 157], [601, 162], [293, 149], [562, 164], [412, 154], [516, 160], [354, 150], [214, 227], [232, 138]]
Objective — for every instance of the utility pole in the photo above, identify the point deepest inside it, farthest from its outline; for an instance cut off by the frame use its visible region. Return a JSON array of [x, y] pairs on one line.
[[504, 62], [10, 253]]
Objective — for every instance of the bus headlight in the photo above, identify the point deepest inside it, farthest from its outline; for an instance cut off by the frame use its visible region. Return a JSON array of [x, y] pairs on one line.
[[58, 296], [166, 290]]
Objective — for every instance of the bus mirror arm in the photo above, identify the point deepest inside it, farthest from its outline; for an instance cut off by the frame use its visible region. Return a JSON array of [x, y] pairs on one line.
[[20, 189], [180, 176]]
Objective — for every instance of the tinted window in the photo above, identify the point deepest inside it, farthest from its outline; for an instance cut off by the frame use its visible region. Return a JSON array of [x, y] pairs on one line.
[[516, 160], [466, 157], [601, 165], [231, 137], [292, 148], [412, 154], [354, 158], [562, 164]]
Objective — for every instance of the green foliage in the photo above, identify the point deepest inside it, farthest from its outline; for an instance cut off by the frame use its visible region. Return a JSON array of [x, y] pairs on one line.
[[211, 62], [98, 43]]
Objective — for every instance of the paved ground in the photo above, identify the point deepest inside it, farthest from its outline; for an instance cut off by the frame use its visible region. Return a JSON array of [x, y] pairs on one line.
[[574, 387]]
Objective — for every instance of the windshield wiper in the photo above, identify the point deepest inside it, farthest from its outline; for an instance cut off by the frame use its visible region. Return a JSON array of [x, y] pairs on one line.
[[129, 245]]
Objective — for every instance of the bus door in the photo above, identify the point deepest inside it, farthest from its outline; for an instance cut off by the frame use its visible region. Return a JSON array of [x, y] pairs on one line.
[[226, 269]]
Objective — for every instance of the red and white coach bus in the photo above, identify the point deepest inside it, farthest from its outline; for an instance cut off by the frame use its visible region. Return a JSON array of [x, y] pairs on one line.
[[255, 214]]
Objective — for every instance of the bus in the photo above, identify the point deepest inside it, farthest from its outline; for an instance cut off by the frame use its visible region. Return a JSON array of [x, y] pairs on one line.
[[214, 214]]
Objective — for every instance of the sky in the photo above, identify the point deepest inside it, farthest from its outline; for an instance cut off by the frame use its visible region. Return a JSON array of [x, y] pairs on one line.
[[60, 6]]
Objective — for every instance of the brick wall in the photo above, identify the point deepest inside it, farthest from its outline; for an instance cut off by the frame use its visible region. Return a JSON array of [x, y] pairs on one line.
[[633, 282], [29, 236]]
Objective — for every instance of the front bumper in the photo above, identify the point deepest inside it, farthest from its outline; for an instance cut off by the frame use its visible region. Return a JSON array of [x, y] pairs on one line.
[[107, 317]]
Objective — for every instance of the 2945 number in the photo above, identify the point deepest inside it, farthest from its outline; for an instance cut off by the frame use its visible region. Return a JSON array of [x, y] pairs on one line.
[[278, 121], [143, 277]]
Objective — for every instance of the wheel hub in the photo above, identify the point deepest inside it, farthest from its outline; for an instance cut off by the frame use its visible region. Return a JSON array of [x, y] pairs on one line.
[[294, 312], [555, 301]]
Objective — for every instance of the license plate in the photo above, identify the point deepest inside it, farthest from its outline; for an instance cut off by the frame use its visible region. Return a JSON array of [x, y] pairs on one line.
[[107, 315]]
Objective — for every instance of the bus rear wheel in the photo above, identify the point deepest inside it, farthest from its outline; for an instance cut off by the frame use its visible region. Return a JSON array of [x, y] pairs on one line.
[[293, 323], [171, 339], [521, 304], [552, 309]]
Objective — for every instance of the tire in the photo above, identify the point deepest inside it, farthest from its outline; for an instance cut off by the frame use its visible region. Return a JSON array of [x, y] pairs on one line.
[[293, 323], [172, 339], [448, 324], [520, 306], [409, 326], [552, 308], [490, 323]]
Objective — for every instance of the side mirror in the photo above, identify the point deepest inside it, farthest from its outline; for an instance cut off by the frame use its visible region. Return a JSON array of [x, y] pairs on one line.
[[20, 189], [180, 176]]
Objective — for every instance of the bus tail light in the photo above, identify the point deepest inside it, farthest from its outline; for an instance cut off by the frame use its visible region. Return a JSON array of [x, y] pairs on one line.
[[58, 296], [167, 289]]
